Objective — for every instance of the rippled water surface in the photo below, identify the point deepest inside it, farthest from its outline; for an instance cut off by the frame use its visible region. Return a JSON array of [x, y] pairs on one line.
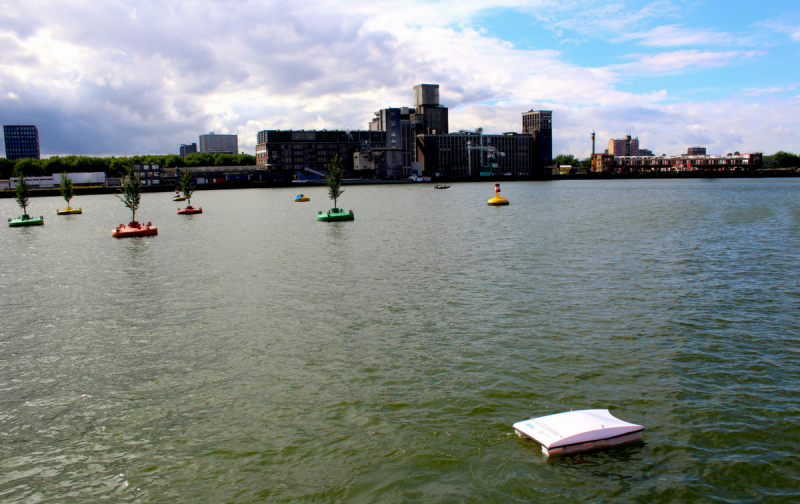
[[252, 353]]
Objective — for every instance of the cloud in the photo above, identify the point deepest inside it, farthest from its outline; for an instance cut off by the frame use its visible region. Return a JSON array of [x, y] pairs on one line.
[[104, 78], [677, 35]]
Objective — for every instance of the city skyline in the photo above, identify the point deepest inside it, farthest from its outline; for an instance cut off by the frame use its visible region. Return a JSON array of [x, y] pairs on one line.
[[121, 80]]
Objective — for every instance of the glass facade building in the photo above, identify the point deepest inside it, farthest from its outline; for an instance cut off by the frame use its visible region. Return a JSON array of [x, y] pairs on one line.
[[22, 141]]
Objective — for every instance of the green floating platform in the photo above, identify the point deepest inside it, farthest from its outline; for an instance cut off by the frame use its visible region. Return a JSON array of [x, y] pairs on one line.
[[26, 220], [335, 214]]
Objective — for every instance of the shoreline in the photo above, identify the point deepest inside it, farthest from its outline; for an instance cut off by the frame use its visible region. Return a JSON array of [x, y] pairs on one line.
[[772, 173]]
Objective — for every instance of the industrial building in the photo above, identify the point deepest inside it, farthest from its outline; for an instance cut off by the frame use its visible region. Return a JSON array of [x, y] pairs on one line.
[[219, 144], [623, 146], [292, 152], [682, 163], [468, 154], [22, 141]]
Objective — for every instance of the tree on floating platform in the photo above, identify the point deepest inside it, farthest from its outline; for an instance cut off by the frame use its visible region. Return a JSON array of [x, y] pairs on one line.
[[131, 191], [66, 188], [186, 187], [23, 191], [334, 180]]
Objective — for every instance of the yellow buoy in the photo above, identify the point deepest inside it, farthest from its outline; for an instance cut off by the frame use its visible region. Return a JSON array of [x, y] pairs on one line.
[[497, 200]]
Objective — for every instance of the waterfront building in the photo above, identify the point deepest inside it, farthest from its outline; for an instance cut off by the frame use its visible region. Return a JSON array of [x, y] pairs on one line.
[[396, 123], [623, 146], [696, 151], [187, 149], [219, 144], [683, 163], [149, 173], [447, 155], [429, 117], [295, 152], [539, 123], [22, 141]]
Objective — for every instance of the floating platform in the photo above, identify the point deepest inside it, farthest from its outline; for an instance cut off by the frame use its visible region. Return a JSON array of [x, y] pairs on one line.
[[134, 229], [335, 214], [190, 210], [69, 211], [300, 198], [576, 431], [26, 220]]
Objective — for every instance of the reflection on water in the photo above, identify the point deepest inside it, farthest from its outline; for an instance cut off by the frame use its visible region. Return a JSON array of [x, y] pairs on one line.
[[252, 353]]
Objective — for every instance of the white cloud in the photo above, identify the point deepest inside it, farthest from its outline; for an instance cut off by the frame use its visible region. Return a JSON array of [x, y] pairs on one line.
[[146, 80], [677, 35]]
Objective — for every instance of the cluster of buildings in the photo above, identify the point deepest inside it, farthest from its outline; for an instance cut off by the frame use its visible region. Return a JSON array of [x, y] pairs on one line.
[[624, 156], [411, 140], [212, 144]]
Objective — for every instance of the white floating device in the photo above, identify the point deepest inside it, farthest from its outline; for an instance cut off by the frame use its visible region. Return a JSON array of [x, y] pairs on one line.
[[575, 431]]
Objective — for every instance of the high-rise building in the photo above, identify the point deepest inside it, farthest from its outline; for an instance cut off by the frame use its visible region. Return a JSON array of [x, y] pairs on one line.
[[219, 144], [189, 149], [696, 151], [22, 141], [623, 146], [539, 123]]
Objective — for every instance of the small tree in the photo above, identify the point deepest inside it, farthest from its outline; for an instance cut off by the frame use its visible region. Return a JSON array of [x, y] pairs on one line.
[[186, 187], [334, 181], [66, 188], [131, 191], [23, 192]]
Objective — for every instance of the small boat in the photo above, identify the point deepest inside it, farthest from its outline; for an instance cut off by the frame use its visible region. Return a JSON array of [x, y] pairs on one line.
[[189, 210], [69, 211], [440, 186], [26, 220], [497, 200], [575, 431], [178, 197], [300, 198], [335, 214], [134, 229]]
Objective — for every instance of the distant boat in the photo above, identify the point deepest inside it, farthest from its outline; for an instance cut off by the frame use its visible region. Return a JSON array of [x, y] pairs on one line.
[[440, 186], [178, 197]]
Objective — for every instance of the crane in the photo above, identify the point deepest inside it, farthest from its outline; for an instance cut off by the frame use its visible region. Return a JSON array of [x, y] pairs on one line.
[[492, 153]]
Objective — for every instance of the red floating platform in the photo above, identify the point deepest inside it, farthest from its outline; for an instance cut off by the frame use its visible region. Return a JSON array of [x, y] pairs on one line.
[[134, 229], [190, 210]]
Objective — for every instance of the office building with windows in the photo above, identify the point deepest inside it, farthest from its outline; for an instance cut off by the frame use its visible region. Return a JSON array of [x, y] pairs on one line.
[[219, 144], [22, 141], [189, 149]]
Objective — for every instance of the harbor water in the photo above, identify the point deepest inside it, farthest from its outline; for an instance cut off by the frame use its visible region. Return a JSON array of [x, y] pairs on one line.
[[254, 354]]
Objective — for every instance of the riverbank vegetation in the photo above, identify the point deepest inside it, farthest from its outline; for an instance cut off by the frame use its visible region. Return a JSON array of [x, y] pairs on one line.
[[117, 166]]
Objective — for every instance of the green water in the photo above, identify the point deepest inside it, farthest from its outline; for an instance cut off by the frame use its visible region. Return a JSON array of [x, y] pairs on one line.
[[253, 354]]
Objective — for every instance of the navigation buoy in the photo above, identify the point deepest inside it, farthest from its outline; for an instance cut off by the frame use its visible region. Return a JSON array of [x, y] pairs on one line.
[[497, 200]]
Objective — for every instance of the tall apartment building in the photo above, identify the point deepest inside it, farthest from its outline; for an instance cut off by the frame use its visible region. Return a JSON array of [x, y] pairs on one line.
[[219, 144], [188, 149], [292, 152], [623, 146], [539, 123], [22, 141]]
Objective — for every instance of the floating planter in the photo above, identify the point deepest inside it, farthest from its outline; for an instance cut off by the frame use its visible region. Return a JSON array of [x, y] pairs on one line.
[[335, 214], [300, 198], [67, 192], [497, 200], [190, 210], [26, 220], [69, 211], [185, 185], [576, 431], [134, 229]]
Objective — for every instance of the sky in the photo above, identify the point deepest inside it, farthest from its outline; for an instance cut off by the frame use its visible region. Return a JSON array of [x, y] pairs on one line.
[[142, 77]]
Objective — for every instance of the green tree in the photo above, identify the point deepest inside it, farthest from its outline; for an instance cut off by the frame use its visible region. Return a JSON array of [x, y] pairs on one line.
[[23, 191], [173, 161], [6, 168], [334, 180], [567, 159], [30, 167], [786, 159], [66, 188], [186, 187], [131, 191], [118, 166], [225, 160]]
